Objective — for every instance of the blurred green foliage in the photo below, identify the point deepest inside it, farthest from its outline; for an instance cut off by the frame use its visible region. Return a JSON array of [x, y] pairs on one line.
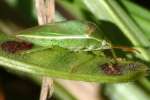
[[22, 13]]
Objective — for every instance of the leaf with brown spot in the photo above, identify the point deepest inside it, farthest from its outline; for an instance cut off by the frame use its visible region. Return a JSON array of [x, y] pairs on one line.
[[57, 62]]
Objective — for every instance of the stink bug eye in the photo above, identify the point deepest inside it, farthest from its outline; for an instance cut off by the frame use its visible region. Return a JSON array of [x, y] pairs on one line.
[[15, 46]]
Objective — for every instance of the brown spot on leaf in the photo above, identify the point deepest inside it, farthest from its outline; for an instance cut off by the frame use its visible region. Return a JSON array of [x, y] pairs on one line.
[[15, 46], [111, 69]]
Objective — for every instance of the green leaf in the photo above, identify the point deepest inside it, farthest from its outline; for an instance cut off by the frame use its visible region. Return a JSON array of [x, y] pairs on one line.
[[131, 91], [139, 14], [58, 62]]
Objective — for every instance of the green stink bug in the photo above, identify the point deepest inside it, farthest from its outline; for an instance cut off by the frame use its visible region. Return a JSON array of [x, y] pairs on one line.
[[73, 35]]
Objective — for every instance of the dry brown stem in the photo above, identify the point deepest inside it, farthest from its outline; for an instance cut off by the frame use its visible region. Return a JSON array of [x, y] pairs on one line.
[[45, 12]]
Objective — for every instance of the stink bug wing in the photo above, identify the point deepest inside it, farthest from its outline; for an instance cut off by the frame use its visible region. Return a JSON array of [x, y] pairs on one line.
[[65, 28], [62, 28]]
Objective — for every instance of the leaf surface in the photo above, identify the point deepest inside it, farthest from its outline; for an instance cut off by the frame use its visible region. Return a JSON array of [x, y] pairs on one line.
[[58, 62]]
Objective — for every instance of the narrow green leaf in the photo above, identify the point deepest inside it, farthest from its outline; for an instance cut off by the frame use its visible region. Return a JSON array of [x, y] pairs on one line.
[[136, 9], [131, 91], [58, 62], [139, 14]]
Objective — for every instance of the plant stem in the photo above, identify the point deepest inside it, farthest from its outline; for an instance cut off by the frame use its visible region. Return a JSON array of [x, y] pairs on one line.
[[45, 12]]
